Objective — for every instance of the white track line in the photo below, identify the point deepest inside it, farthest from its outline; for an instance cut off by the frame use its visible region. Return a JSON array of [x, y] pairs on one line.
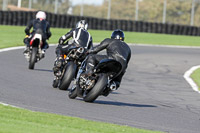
[[186, 75], [189, 79], [12, 48], [5, 104]]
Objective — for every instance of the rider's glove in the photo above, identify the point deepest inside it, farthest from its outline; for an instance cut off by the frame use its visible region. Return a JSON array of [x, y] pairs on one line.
[[26, 36], [62, 39]]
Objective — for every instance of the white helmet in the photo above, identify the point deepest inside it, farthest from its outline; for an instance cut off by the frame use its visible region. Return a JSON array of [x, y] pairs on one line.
[[82, 24], [41, 15]]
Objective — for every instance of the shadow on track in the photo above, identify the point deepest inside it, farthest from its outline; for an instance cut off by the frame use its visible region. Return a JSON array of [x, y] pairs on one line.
[[44, 70], [124, 104]]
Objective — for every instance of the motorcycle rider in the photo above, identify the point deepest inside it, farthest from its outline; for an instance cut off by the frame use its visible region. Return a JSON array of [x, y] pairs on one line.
[[80, 37], [116, 49], [39, 25]]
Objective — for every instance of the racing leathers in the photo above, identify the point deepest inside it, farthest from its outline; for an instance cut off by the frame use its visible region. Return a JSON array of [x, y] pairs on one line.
[[39, 26], [117, 50], [80, 37]]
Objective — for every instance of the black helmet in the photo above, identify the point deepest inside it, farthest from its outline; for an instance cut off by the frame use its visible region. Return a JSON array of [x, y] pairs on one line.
[[118, 34], [82, 24]]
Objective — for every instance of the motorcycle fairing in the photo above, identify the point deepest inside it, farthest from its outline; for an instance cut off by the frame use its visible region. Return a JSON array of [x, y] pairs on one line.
[[36, 40]]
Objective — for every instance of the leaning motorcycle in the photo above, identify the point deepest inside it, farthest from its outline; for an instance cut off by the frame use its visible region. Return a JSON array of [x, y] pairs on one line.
[[35, 53], [96, 84], [72, 61]]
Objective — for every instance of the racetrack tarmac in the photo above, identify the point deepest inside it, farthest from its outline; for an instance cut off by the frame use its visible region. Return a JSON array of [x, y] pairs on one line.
[[153, 94]]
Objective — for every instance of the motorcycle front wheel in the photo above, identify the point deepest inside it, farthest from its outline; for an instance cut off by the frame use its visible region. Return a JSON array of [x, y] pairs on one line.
[[33, 57], [97, 89]]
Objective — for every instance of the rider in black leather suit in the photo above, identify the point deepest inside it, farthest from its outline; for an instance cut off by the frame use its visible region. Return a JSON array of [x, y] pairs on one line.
[[116, 49], [80, 37], [39, 25]]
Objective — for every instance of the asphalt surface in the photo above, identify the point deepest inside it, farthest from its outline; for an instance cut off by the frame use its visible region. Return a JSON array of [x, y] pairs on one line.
[[153, 94]]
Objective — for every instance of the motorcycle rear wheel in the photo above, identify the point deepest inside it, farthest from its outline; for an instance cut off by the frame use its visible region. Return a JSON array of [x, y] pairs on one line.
[[68, 76], [33, 57], [97, 89]]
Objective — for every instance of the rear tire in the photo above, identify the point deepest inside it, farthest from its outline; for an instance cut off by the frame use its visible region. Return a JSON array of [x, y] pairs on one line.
[[68, 76], [33, 58], [97, 89]]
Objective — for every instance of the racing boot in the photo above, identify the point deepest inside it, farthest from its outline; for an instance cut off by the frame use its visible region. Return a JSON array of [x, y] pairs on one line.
[[57, 66], [55, 82], [26, 53], [26, 50], [42, 54]]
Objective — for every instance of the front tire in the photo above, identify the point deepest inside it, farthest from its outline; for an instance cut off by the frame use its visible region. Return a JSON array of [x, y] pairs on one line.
[[33, 58], [68, 76], [97, 89]]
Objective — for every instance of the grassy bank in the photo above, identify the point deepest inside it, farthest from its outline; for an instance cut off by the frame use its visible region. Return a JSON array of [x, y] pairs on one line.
[[195, 76], [14, 35], [15, 120]]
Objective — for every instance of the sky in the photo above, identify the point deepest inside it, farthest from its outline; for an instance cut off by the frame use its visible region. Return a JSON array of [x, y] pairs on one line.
[[94, 2]]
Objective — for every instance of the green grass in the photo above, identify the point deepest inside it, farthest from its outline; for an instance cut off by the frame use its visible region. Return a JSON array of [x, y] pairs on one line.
[[196, 77], [13, 36], [15, 120], [163, 39]]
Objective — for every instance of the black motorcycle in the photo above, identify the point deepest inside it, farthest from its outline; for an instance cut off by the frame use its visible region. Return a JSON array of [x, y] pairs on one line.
[[72, 61], [97, 83]]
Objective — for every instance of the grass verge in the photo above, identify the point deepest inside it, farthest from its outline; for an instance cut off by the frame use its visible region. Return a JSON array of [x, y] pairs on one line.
[[14, 35], [15, 120], [196, 76]]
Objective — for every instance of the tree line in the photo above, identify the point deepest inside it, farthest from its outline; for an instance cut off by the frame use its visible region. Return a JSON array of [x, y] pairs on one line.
[[177, 11]]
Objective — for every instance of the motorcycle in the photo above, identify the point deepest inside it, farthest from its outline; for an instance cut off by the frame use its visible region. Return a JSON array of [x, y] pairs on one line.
[[97, 83], [35, 54], [72, 61]]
